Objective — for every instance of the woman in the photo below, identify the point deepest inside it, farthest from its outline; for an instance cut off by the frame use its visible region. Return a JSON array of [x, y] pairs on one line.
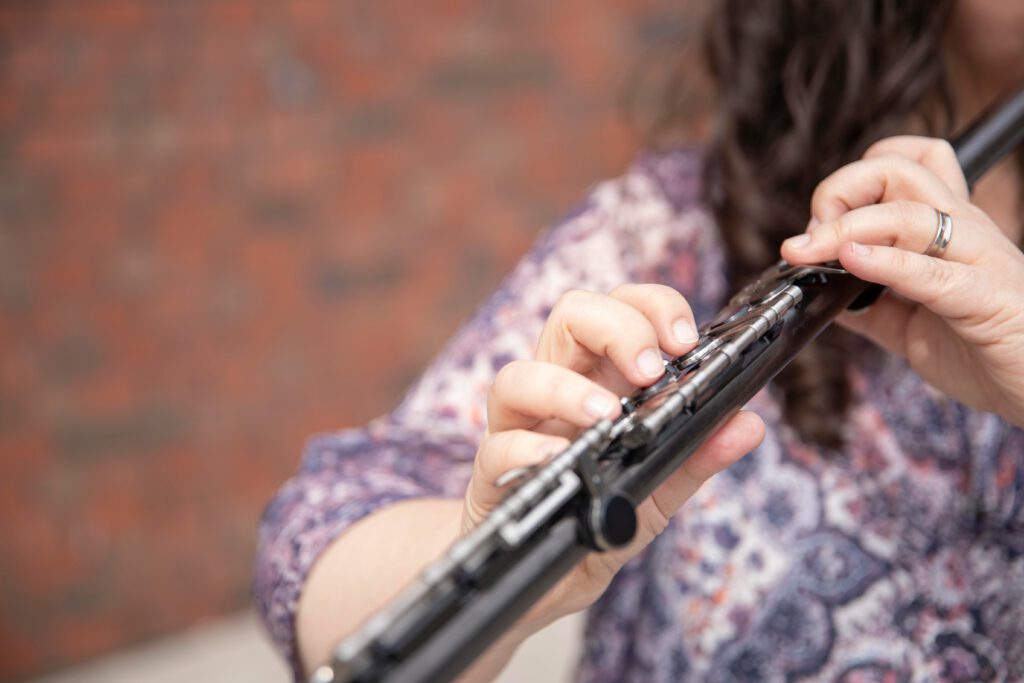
[[876, 531]]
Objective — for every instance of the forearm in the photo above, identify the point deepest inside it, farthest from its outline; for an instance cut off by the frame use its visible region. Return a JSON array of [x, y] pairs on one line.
[[368, 565]]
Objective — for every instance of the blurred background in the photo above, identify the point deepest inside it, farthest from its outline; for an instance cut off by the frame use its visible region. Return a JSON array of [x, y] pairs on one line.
[[228, 225]]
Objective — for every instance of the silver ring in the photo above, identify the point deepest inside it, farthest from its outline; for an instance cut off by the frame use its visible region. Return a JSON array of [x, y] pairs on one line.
[[943, 234]]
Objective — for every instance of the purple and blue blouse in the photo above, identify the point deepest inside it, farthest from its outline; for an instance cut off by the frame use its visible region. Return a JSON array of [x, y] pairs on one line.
[[899, 559]]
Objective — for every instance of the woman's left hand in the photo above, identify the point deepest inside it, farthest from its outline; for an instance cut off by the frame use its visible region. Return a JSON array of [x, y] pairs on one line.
[[959, 316]]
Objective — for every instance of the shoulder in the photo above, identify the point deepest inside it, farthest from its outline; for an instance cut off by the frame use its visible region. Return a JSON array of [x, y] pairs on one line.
[[647, 225], [659, 188], [662, 227]]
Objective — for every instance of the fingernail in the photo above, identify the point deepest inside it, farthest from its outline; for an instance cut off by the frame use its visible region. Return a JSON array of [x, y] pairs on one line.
[[860, 249], [684, 331], [600, 405], [813, 223], [799, 242], [649, 363]]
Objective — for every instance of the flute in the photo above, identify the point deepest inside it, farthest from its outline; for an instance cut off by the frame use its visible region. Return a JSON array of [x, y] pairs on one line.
[[584, 498]]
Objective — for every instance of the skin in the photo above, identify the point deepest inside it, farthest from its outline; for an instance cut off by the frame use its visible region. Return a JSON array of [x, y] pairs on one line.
[[958, 319]]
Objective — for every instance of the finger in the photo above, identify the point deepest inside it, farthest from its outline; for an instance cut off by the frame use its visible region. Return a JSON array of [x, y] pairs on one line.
[[525, 393], [903, 224], [941, 286], [935, 154], [667, 311], [876, 180], [737, 437], [501, 452], [585, 327]]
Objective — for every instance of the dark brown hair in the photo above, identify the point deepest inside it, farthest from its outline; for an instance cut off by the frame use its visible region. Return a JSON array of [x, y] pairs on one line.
[[803, 87]]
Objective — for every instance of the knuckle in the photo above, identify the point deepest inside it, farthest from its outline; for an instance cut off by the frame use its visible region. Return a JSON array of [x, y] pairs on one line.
[[562, 388], [939, 151], [554, 444], [486, 455], [822, 192], [624, 290], [571, 300], [940, 280], [522, 448], [657, 521], [503, 453], [898, 260], [646, 292], [827, 201], [893, 163], [840, 229], [881, 148], [816, 194], [944, 277], [562, 399], [575, 305], [977, 215], [658, 289], [671, 296], [875, 148], [487, 445], [904, 212], [630, 339], [661, 299], [562, 304], [892, 158], [509, 376], [513, 444]]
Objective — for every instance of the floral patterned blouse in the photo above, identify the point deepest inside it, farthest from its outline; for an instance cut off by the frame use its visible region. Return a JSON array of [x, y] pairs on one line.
[[901, 559]]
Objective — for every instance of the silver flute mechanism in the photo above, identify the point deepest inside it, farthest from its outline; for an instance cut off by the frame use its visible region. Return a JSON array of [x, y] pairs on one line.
[[579, 475]]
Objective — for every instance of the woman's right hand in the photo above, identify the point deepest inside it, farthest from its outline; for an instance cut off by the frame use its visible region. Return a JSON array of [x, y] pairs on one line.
[[593, 349]]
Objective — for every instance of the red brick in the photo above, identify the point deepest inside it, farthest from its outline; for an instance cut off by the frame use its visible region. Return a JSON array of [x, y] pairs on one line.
[[206, 200]]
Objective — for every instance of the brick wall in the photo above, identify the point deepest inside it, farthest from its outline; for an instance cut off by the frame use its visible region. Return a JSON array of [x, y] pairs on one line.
[[227, 225]]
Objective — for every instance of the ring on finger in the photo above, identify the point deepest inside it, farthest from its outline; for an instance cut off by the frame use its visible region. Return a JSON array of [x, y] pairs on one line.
[[943, 234]]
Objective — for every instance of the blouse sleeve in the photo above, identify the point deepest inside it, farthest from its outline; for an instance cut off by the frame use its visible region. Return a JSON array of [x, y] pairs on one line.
[[628, 230]]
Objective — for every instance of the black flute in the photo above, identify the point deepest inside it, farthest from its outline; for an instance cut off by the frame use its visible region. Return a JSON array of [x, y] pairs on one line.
[[584, 499]]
